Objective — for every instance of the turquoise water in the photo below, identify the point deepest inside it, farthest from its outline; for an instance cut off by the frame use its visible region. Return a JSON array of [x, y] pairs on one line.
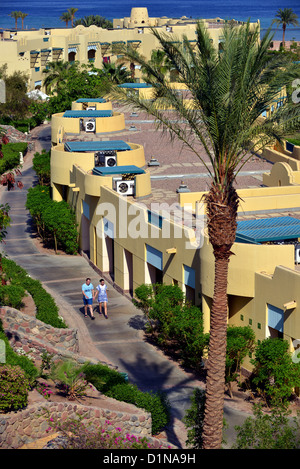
[[48, 12]]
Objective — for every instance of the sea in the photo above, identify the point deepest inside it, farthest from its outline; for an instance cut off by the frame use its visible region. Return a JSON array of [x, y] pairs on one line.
[[46, 13]]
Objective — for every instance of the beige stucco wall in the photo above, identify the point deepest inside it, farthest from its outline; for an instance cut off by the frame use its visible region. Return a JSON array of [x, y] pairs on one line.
[[99, 106], [72, 125], [258, 274], [81, 38], [260, 198], [62, 162]]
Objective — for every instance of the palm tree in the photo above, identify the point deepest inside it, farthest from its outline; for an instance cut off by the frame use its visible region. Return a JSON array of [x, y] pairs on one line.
[[96, 20], [285, 17], [159, 62], [23, 16], [116, 73], [16, 16], [57, 74], [66, 17], [230, 91], [72, 12]]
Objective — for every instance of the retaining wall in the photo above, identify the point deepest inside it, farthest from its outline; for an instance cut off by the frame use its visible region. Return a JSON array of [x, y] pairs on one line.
[[31, 335], [26, 426], [18, 428]]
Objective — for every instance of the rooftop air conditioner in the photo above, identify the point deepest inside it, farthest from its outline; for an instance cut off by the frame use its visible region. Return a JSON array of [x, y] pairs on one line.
[[110, 161], [91, 108], [106, 158], [90, 126], [297, 253], [125, 187]]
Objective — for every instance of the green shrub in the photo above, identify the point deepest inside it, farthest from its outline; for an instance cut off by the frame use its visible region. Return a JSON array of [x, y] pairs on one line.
[[295, 141], [240, 343], [14, 387], [55, 221], [41, 165], [46, 308], [268, 431], [70, 378], [275, 374], [186, 329], [13, 359], [154, 403], [174, 323], [112, 383], [194, 418], [79, 435], [12, 295], [102, 377], [11, 157]]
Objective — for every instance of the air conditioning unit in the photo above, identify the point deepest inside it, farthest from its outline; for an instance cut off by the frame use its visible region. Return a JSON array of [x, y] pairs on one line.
[[91, 108], [110, 161], [90, 126], [107, 158], [297, 253], [125, 187]]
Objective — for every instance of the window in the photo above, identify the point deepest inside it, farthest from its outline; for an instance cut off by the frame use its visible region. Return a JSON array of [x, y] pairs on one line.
[[155, 219]]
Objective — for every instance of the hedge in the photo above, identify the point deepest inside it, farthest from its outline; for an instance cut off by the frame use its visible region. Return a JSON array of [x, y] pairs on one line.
[[13, 359], [113, 384], [55, 221], [41, 165], [46, 308], [11, 157]]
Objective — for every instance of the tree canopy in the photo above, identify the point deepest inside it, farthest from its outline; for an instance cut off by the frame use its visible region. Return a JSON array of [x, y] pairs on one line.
[[229, 90]]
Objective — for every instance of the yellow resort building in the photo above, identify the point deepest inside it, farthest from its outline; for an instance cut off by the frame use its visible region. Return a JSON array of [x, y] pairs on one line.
[[137, 199], [137, 196], [30, 51]]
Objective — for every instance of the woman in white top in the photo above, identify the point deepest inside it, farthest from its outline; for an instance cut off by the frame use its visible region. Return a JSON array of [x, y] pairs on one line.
[[102, 296]]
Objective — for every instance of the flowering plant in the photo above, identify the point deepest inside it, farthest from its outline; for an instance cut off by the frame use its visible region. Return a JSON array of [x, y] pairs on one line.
[[44, 389], [78, 435], [14, 387], [70, 378]]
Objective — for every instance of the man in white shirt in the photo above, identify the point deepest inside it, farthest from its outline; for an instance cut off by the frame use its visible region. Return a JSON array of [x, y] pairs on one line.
[[88, 294]]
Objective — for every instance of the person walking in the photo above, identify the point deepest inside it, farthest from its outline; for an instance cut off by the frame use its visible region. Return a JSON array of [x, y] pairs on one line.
[[102, 296], [88, 295]]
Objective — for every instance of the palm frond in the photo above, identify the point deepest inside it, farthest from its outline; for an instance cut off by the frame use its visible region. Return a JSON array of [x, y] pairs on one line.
[[229, 92]]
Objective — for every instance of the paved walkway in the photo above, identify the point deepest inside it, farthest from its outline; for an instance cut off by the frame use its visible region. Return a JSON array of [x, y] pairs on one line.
[[118, 340]]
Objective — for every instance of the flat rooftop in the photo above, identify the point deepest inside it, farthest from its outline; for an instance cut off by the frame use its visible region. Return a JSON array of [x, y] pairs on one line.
[[178, 165], [97, 145], [268, 230], [87, 114]]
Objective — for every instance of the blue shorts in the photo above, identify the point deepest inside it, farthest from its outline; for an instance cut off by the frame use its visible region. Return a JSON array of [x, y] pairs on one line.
[[87, 301]]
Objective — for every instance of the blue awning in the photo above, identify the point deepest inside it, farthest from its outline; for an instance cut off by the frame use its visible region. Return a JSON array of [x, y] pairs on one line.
[[135, 85], [267, 229], [86, 114], [112, 170], [91, 100], [117, 145], [154, 257]]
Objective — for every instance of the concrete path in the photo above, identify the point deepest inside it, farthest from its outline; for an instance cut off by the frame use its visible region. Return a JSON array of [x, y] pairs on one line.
[[118, 339]]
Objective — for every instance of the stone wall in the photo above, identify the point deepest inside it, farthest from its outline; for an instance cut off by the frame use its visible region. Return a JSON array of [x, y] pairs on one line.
[[33, 336], [28, 425]]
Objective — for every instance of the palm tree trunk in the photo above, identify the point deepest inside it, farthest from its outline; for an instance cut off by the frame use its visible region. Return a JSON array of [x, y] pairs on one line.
[[215, 381], [222, 205], [283, 35]]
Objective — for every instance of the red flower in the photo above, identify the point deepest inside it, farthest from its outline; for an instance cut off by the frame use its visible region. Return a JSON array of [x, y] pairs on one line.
[[5, 139]]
